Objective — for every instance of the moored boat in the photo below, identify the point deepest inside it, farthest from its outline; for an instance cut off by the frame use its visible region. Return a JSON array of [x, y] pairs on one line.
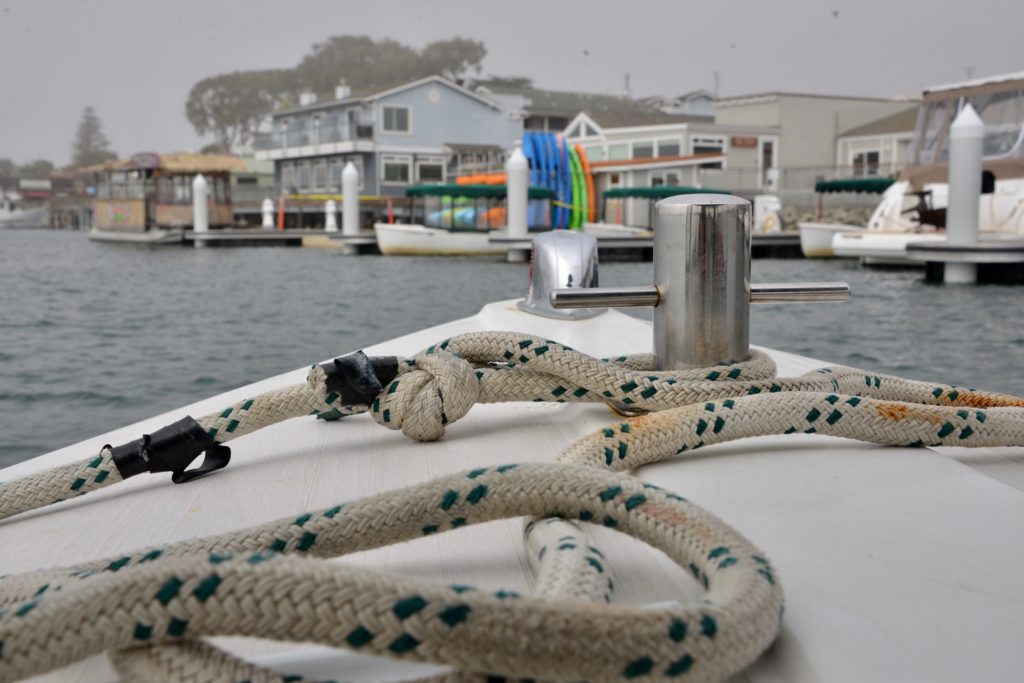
[[916, 204], [454, 220]]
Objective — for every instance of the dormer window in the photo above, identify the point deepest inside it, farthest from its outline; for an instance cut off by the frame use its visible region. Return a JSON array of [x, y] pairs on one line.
[[397, 119]]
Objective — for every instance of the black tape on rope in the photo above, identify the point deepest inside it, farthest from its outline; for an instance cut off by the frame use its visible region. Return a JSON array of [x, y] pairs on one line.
[[171, 449], [358, 378]]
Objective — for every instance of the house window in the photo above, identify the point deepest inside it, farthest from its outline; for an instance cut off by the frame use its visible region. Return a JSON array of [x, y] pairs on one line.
[[643, 150], [320, 175], [589, 131], [666, 178], [575, 132], [429, 170], [708, 145], [595, 153], [866, 163], [619, 151], [337, 166], [315, 138], [397, 120], [303, 175], [668, 148], [557, 122], [395, 170], [288, 176]]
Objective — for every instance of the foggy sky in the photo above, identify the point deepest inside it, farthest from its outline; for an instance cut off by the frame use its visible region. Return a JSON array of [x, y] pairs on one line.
[[135, 61]]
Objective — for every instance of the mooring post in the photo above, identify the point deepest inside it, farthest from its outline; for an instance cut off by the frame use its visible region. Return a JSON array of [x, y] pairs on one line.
[[517, 173], [330, 216], [268, 213], [200, 210], [350, 205], [966, 136]]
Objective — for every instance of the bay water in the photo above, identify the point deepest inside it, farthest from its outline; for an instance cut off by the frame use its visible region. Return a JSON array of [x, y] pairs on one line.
[[95, 336]]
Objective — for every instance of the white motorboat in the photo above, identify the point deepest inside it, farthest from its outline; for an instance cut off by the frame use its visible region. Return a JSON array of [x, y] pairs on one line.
[[816, 238], [14, 215], [877, 248], [420, 240], [896, 563], [917, 202]]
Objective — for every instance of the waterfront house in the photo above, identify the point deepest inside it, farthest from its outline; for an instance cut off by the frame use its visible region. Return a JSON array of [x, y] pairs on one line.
[[421, 132], [880, 147], [651, 148], [808, 126]]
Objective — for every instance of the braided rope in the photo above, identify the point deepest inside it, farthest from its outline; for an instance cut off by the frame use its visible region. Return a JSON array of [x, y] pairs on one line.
[[149, 607]]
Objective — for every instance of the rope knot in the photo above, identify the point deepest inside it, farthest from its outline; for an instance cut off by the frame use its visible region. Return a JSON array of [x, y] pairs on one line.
[[436, 390]]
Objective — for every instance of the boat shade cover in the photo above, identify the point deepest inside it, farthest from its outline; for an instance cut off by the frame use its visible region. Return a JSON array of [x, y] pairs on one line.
[[659, 192], [473, 191], [871, 185]]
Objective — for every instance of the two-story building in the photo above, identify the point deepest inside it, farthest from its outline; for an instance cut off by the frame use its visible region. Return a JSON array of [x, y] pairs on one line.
[[652, 148], [419, 132]]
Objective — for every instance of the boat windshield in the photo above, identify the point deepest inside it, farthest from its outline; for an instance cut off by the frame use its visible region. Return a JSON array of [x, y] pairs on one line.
[[1002, 112], [1003, 115], [931, 125]]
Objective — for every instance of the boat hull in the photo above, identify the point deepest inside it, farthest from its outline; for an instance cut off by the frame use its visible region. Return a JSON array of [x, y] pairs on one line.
[[877, 248], [419, 240], [146, 237], [816, 238], [23, 218], [871, 553]]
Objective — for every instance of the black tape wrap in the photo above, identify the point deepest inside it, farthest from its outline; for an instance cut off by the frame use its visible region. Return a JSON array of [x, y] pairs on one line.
[[358, 378], [171, 449]]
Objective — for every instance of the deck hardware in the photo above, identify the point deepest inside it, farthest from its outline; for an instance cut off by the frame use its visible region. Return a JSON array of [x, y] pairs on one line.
[[702, 292], [562, 258]]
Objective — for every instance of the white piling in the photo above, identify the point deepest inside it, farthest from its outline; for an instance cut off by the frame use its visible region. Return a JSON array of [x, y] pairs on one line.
[[350, 204], [517, 174], [331, 216], [268, 213], [200, 210], [966, 136]]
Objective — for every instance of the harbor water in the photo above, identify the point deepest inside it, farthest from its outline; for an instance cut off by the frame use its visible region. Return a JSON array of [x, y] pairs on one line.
[[96, 336]]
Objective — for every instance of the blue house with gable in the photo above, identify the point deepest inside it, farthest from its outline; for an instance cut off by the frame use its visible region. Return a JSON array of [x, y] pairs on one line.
[[421, 132]]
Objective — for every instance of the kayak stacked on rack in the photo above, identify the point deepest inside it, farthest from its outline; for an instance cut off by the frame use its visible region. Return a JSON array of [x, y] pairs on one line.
[[564, 169]]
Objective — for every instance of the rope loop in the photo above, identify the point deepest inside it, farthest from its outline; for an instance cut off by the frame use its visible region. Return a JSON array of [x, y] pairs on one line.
[[432, 390]]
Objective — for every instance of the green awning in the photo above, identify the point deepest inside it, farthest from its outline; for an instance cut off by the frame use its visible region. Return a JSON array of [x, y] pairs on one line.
[[660, 192], [473, 191], [870, 185]]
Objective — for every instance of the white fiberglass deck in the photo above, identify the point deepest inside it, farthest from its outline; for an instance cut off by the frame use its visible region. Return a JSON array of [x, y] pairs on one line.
[[897, 564]]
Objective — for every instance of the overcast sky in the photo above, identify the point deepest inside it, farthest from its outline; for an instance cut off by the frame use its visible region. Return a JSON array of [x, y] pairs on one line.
[[135, 60]]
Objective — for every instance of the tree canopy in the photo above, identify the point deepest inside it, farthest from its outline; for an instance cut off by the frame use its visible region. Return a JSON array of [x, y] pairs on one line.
[[231, 107], [90, 146], [40, 168]]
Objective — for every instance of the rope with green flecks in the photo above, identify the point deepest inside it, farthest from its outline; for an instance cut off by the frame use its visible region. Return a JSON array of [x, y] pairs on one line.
[[434, 389]]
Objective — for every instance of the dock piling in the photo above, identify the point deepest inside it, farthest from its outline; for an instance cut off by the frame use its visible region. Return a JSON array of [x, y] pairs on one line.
[[200, 209], [966, 136], [350, 204], [330, 216], [268, 213], [517, 172]]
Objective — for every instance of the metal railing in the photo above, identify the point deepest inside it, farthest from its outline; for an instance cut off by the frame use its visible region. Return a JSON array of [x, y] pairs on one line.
[[301, 137]]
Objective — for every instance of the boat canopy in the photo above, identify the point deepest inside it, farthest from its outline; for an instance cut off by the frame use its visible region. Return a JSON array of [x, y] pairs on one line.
[[473, 191], [659, 192], [869, 185]]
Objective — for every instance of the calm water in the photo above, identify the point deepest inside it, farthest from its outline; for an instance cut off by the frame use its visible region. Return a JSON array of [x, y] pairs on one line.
[[95, 336]]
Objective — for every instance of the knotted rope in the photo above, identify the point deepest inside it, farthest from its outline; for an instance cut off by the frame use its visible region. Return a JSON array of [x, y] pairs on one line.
[[148, 608]]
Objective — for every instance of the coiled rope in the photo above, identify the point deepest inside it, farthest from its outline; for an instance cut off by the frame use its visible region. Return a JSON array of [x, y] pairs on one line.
[[149, 608]]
